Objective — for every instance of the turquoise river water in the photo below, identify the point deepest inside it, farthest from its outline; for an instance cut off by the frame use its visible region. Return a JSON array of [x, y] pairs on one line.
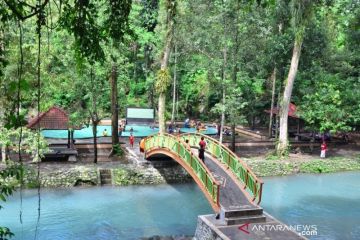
[[329, 201], [137, 131]]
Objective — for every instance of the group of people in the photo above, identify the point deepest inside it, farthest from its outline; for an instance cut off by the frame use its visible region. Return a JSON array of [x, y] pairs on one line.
[[121, 128], [199, 127], [187, 124], [194, 124], [172, 129]]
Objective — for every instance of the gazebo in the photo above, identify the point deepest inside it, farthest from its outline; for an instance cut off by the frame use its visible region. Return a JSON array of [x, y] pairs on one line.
[[291, 113], [56, 119]]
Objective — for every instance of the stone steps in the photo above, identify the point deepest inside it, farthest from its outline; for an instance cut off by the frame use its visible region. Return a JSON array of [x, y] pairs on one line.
[[239, 216], [245, 219], [243, 212], [105, 177]]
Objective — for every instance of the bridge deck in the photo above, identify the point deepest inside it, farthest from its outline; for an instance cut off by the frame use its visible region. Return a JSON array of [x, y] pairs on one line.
[[231, 196]]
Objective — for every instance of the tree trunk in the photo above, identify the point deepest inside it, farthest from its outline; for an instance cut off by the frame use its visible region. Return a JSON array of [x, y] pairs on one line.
[[233, 137], [253, 118], [2, 47], [223, 97], [135, 49], [162, 95], [222, 117], [277, 116], [3, 154], [93, 114], [283, 143], [161, 113], [174, 89], [273, 77], [114, 106], [95, 123], [171, 9]]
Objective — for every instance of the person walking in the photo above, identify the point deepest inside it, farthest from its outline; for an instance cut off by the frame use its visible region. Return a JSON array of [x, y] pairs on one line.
[[202, 146], [105, 133], [323, 150], [187, 123], [120, 129], [131, 141]]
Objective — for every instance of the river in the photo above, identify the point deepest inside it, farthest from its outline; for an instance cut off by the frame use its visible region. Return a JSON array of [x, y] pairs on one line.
[[331, 202]]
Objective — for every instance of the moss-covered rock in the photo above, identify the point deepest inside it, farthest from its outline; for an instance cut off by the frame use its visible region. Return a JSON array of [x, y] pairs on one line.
[[64, 177], [125, 174], [133, 174]]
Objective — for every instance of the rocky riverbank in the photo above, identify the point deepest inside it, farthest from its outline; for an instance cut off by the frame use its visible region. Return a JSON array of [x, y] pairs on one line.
[[70, 175], [53, 175]]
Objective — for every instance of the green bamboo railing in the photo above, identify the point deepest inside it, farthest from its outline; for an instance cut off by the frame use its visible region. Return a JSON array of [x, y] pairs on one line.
[[252, 184], [180, 148]]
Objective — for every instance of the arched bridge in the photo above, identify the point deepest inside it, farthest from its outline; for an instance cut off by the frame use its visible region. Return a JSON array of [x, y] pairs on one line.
[[228, 183]]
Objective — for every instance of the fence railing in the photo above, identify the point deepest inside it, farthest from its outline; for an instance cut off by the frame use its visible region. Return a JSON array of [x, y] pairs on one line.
[[180, 148], [252, 184]]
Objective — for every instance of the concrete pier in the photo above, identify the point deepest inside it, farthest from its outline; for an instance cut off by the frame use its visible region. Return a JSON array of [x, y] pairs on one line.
[[209, 228]]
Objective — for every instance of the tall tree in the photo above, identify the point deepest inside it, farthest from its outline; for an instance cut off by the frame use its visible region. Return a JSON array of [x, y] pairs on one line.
[[114, 107], [163, 75], [301, 13], [174, 87], [82, 21], [117, 25]]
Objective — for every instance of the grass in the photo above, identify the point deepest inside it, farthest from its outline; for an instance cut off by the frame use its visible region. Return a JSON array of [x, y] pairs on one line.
[[272, 165]]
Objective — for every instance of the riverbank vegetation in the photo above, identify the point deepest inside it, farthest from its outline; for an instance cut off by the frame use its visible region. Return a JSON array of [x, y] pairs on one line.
[[302, 164]]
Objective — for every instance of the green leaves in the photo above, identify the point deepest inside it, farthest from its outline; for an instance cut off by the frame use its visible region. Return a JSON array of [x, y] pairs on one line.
[[5, 233], [163, 81], [85, 20], [116, 24], [325, 108], [80, 20], [29, 144]]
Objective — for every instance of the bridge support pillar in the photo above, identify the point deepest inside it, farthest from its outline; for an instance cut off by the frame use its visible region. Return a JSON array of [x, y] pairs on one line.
[[206, 230]]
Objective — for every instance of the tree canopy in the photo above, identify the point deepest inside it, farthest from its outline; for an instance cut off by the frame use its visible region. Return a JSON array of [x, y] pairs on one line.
[[229, 47]]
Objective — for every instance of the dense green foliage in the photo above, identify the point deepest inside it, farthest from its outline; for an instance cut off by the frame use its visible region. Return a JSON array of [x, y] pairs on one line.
[[245, 33]]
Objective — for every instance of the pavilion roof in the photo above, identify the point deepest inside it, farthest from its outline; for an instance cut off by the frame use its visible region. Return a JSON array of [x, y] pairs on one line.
[[54, 118], [291, 113]]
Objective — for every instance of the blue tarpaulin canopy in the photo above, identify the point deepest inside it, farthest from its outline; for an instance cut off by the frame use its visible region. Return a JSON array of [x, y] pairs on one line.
[[135, 115]]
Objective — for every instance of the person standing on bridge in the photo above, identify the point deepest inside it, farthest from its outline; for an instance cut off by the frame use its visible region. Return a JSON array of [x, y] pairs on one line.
[[202, 146]]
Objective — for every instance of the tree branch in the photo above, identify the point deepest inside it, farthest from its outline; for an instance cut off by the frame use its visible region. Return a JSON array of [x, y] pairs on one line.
[[19, 14]]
